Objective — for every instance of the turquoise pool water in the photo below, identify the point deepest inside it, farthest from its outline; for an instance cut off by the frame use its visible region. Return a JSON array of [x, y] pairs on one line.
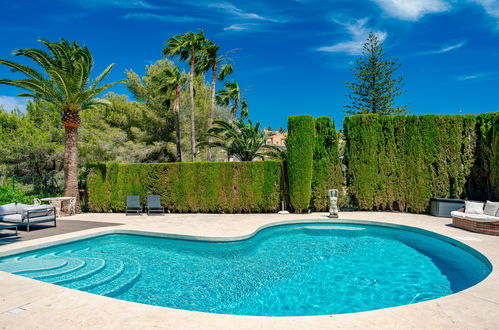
[[299, 269]]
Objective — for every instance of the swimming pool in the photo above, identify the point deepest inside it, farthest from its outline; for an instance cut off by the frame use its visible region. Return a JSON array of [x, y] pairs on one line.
[[286, 270]]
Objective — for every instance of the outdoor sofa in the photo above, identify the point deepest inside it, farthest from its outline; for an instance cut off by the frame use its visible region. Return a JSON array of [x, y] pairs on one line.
[[27, 215], [478, 217]]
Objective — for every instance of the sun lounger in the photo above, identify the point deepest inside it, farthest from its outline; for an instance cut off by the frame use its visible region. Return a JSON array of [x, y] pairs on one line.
[[154, 205], [133, 204]]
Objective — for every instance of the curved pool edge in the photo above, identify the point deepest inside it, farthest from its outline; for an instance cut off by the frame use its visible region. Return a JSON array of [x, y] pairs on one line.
[[111, 231], [468, 307]]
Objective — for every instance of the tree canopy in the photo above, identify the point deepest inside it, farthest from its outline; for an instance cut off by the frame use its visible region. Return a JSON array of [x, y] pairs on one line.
[[376, 86]]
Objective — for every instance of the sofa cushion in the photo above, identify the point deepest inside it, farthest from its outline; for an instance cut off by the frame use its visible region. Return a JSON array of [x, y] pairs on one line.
[[481, 218], [14, 218], [8, 209], [473, 207], [20, 207], [491, 208], [41, 219], [35, 211], [458, 214]]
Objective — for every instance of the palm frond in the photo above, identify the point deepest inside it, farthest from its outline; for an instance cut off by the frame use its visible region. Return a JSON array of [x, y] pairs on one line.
[[65, 79], [102, 75], [30, 72], [225, 71]]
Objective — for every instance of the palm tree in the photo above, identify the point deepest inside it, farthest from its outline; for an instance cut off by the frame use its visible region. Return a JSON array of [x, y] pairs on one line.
[[187, 46], [65, 83], [174, 80], [211, 60], [231, 96], [244, 141]]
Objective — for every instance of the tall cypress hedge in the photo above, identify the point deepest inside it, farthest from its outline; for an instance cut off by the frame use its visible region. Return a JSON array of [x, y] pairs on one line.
[[300, 153], [484, 182], [228, 187], [400, 162], [327, 166]]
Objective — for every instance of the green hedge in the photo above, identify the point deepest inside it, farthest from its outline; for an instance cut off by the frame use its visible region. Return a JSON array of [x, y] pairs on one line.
[[400, 162], [229, 187], [300, 153], [327, 167], [484, 182]]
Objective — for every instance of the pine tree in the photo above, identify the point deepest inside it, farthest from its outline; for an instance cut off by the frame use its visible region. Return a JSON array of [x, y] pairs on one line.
[[376, 86]]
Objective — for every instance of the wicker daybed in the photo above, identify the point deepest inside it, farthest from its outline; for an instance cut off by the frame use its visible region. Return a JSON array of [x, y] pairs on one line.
[[479, 223]]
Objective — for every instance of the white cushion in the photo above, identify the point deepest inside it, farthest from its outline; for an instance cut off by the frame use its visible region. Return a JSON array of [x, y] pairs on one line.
[[20, 207], [458, 214], [491, 208], [36, 210], [473, 207], [13, 218], [481, 218], [8, 209], [474, 217]]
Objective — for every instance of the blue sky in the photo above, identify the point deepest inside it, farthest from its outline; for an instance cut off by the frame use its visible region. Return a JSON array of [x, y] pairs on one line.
[[293, 56]]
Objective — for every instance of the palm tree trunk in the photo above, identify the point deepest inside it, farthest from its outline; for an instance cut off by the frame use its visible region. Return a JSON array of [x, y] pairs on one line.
[[212, 105], [71, 164], [176, 109], [234, 109], [193, 119]]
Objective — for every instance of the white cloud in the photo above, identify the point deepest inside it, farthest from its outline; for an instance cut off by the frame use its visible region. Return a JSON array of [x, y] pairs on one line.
[[141, 4], [412, 10], [239, 13], [445, 48], [358, 35], [164, 18], [480, 76], [237, 27], [10, 103], [491, 7]]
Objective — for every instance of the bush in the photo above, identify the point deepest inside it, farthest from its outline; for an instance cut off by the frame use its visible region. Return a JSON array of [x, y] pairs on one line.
[[327, 167], [399, 162], [229, 187], [300, 153], [9, 194]]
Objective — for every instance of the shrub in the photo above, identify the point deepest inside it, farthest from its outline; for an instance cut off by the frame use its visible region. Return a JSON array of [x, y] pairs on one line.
[[9, 194], [300, 152], [327, 167], [188, 187], [399, 162]]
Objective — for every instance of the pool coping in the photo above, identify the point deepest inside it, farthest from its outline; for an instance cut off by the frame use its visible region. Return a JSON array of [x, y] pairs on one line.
[[484, 294]]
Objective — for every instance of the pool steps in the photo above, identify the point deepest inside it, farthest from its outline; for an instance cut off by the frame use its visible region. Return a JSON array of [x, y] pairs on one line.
[[107, 276]]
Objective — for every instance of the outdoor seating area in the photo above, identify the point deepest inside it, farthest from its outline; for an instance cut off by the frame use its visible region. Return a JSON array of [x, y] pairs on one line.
[[133, 205], [478, 217], [27, 215]]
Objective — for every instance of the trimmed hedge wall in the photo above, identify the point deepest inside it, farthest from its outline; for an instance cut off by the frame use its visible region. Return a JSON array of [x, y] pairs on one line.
[[327, 167], [229, 187], [484, 182], [400, 162], [300, 153]]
